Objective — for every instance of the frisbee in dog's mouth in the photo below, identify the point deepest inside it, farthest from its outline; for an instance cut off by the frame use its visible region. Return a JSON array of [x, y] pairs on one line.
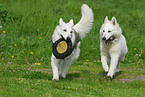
[[109, 40], [62, 47]]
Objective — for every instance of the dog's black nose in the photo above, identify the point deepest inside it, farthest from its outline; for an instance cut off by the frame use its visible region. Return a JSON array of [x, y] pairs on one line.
[[68, 38], [104, 38]]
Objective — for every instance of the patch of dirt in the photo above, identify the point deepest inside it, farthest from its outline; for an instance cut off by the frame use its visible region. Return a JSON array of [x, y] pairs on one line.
[[124, 77], [40, 70], [132, 78]]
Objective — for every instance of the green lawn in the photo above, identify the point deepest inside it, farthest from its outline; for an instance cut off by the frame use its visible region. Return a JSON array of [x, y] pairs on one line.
[[27, 26]]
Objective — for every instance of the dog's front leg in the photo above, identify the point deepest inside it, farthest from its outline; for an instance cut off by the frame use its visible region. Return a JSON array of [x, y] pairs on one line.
[[55, 65], [113, 65], [104, 62]]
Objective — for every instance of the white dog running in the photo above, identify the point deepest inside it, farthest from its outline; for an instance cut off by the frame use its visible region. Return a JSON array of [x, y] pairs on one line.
[[60, 66], [112, 45]]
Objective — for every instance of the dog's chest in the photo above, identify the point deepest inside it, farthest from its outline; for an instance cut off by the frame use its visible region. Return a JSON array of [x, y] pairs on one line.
[[113, 47]]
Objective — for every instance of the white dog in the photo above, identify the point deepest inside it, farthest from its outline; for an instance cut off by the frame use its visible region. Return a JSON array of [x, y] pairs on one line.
[[112, 45], [66, 30]]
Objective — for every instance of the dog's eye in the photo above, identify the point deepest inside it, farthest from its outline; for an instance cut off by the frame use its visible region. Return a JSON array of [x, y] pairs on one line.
[[64, 30], [103, 30], [70, 31], [109, 31]]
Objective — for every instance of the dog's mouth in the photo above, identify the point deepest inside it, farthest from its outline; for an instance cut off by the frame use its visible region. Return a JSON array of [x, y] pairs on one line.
[[109, 40], [67, 38]]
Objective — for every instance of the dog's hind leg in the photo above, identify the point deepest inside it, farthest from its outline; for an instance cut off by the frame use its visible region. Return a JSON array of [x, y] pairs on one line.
[[61, 67], [65, 71], [104, 62], [118, 67]]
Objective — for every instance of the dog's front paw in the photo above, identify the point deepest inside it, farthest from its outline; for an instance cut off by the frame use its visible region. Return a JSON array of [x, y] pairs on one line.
[[109, 75], [105, 68], [64, 75], [55, 79], [109, 78]]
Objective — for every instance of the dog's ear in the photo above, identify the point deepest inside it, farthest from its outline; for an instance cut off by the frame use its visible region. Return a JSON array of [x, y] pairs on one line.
[[114, 22], [71, 22], [106, 20], [61, 21]]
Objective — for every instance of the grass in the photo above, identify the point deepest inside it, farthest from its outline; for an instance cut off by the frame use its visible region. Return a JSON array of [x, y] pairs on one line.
[[25, 68]]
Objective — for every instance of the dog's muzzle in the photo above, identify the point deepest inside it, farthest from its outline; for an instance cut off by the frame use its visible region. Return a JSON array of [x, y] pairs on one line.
[[104, 38], [108, 40]]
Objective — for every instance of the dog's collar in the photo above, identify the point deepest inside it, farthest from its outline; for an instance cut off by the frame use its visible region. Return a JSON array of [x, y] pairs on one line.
[[77, 39]]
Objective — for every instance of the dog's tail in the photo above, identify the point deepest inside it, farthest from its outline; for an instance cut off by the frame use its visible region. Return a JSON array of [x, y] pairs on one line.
[[86, 22]]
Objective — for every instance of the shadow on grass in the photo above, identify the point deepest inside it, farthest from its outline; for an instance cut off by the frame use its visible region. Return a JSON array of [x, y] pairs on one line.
[[71, 76], [103, 75], [82, 75]]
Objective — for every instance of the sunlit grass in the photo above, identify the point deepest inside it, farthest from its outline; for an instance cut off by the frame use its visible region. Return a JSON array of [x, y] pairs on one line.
[[27, 26]]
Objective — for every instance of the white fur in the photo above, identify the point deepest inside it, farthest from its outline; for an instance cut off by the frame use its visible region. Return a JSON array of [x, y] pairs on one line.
[[115, 52], [86, 22], [61, 66]]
